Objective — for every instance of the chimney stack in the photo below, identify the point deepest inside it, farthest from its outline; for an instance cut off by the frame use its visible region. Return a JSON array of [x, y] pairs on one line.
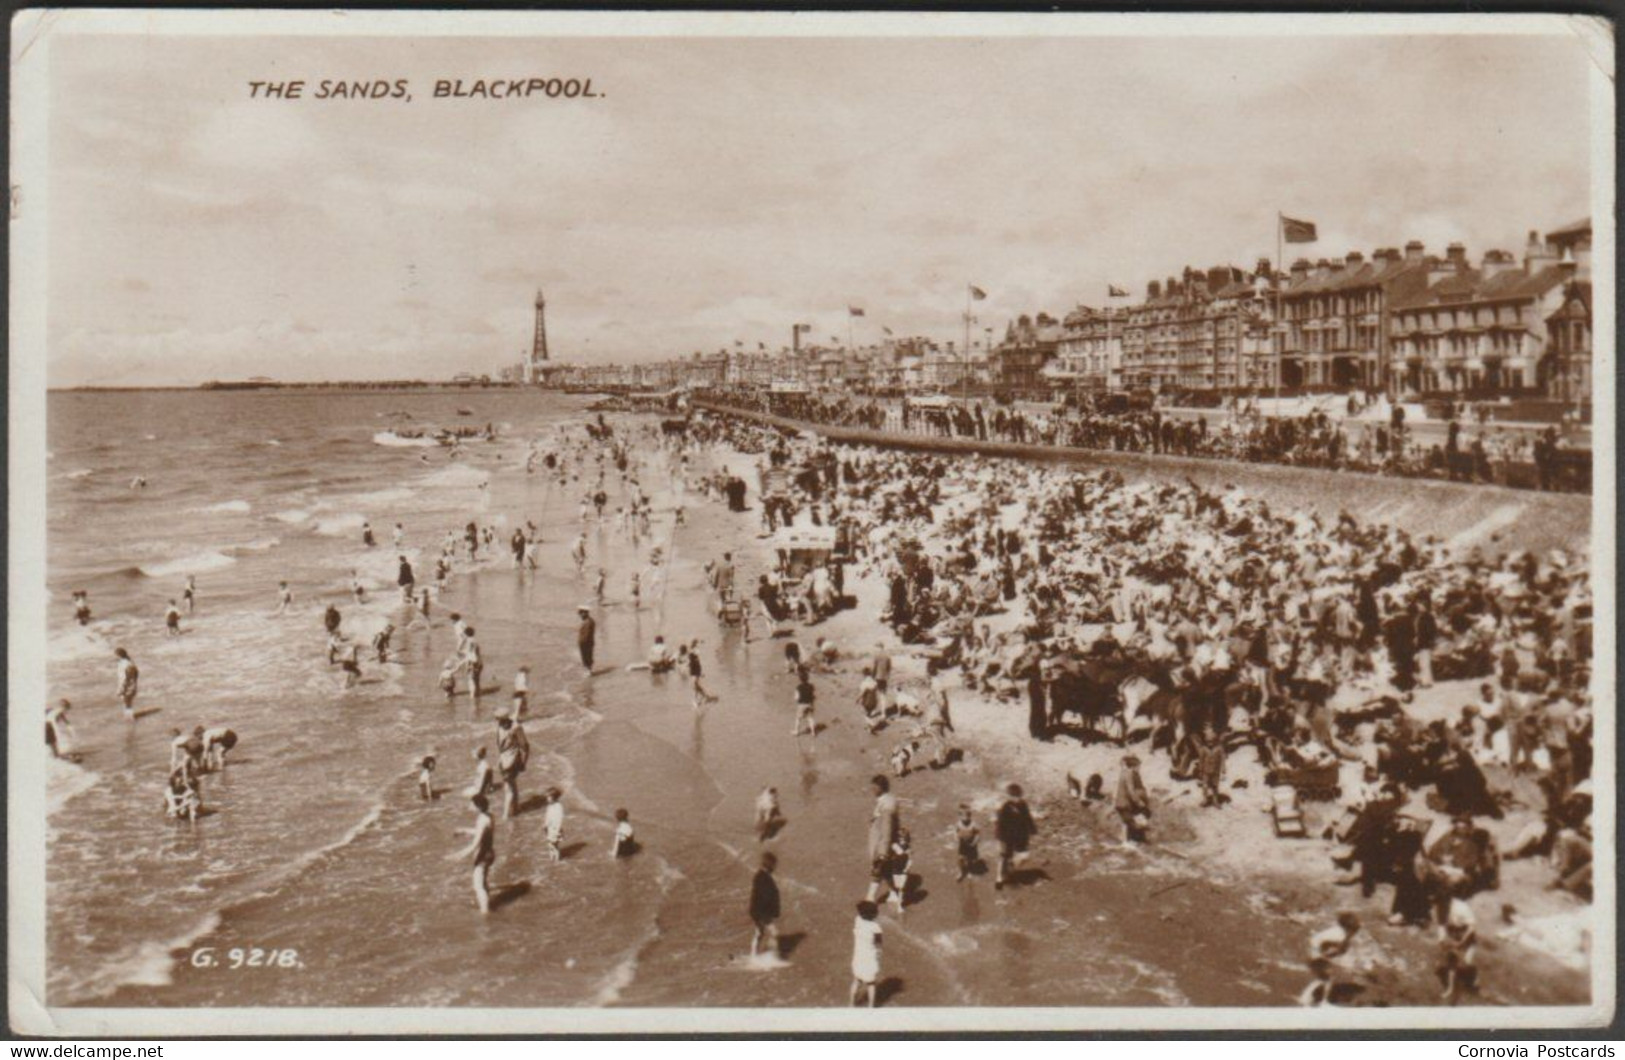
[[1496, 262], [1413, 252], [1300, 270], [1538, 254], [1354, 260], [1153, 291], [1457, 254]]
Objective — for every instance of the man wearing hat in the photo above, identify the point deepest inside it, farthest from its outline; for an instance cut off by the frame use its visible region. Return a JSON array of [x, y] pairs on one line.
[[1132, 801], [586, 635]]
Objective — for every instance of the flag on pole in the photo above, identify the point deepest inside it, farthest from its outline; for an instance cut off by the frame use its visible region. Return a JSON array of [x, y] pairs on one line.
[[803, 327], [977, 293], [1294, 231], [761, 345], [1114, 291], [886, 330], [834, 340], [854, 311], [738, 342]]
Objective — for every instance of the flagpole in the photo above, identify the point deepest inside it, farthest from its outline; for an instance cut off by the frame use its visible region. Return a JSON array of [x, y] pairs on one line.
[[1107, 352], [964, 354], [1280, 350]]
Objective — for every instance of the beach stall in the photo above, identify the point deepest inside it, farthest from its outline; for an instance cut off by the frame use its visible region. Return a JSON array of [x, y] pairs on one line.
[[806, 558], [803, 549]]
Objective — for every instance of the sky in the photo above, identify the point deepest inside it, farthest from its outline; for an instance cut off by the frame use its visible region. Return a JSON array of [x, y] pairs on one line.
[[720, 190]]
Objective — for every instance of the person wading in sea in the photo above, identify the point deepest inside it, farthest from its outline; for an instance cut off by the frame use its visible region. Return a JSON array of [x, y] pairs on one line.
[[482, 849], [586, 636]]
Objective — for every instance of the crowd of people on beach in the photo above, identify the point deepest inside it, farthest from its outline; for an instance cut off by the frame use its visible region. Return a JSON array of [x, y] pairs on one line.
[[1468, 453], [1213, 625], [1201, 621]]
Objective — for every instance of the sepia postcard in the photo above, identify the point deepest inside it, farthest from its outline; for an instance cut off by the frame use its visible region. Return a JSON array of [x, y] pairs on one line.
[[615, 522]]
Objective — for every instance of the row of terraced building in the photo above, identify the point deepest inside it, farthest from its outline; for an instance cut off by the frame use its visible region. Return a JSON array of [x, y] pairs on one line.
[[1403, 320]]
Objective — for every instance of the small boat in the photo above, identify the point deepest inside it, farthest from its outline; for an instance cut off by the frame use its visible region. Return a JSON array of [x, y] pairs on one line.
[[465, 412]]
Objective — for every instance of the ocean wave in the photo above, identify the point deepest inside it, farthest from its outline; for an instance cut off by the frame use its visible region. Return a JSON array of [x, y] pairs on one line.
[[391, 438], [381, 497], [64, 780], [292, 515], [339, 525], [193, 564], [72, 645], [225, 506], [456, 475], [152, 963], [272, 441], [611, 986], [83, 472], [149, 963]]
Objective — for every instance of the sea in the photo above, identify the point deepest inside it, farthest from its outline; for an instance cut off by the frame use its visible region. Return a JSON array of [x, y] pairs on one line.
[[315, 839]]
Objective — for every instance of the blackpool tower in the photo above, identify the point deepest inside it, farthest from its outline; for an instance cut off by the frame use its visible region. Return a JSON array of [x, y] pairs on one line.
[[537, 367]]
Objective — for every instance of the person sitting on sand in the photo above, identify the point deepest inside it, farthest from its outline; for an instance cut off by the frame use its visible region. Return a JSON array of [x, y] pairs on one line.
[[901, 755], [660, 659], [768, 817]]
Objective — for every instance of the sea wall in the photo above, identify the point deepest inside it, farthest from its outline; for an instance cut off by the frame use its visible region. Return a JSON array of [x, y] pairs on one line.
[[1493, 517]]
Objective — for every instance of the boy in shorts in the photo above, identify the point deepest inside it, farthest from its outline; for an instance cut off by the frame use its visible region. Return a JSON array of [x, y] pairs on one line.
[[804, 708]]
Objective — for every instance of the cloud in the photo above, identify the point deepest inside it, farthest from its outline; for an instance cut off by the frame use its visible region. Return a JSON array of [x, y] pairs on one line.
[[727, 188]]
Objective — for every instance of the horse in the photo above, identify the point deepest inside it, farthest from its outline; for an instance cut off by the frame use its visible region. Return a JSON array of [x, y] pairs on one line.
[[1093, 689]]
